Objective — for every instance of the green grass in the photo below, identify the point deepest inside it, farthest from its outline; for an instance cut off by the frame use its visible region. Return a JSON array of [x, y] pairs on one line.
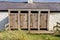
[[20, 35]]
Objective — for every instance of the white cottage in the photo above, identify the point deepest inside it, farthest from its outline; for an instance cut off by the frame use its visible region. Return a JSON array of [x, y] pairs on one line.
[[30, 15]]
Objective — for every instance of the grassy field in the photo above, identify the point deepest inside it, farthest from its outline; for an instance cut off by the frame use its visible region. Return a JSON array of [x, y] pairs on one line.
[[20, 35]]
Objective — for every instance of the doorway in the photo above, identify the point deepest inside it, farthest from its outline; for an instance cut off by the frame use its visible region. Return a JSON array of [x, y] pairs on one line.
[[43, 20], [34, 20], [24, 19]]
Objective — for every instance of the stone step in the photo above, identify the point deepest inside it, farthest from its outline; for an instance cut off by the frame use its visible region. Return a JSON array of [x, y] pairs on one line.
[[41, 32]]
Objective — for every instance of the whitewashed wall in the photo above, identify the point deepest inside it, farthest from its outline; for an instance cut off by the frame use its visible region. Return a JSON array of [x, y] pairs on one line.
[[3, 19], [53, 18]]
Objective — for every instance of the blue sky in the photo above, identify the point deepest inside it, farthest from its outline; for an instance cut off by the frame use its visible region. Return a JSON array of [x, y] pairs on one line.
[[34, 0]]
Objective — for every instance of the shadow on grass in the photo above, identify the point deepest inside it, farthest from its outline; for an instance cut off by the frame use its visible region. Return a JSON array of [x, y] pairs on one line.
[[57, 35]]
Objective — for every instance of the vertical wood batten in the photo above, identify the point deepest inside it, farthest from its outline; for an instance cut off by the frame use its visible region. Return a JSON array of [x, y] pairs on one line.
[[9, 19], [18, 19], [48, 20], [29, 21], [39, 20]]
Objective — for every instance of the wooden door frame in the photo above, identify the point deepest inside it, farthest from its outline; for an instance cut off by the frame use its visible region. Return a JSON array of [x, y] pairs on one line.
[[34, 27], [48, 16], [9, 17], [29, 10]]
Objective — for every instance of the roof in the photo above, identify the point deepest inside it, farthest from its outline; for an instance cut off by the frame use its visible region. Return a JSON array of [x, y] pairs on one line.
[[53, 6]]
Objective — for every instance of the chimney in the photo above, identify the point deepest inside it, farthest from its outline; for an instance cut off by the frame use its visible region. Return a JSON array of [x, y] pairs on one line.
[[30, 1]]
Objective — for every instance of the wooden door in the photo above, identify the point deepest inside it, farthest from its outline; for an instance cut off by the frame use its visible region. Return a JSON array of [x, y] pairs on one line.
[[13, 21], [34, 20], [43, 21], [16, 21], [23, 20]]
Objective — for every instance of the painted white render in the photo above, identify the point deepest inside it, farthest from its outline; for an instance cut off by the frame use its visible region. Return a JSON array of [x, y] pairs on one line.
[[53, 18], [3, 15], [3, 19]]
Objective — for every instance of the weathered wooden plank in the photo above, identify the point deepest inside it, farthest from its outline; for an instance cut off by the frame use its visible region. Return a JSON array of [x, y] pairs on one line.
[[48, 20], [23, 20], [16, 21], [34, 20], [29, 21], [19, 20], [43, 19], [39, 21]]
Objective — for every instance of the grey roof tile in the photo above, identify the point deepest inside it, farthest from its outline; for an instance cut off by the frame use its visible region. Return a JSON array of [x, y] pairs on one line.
[[53, 6]]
